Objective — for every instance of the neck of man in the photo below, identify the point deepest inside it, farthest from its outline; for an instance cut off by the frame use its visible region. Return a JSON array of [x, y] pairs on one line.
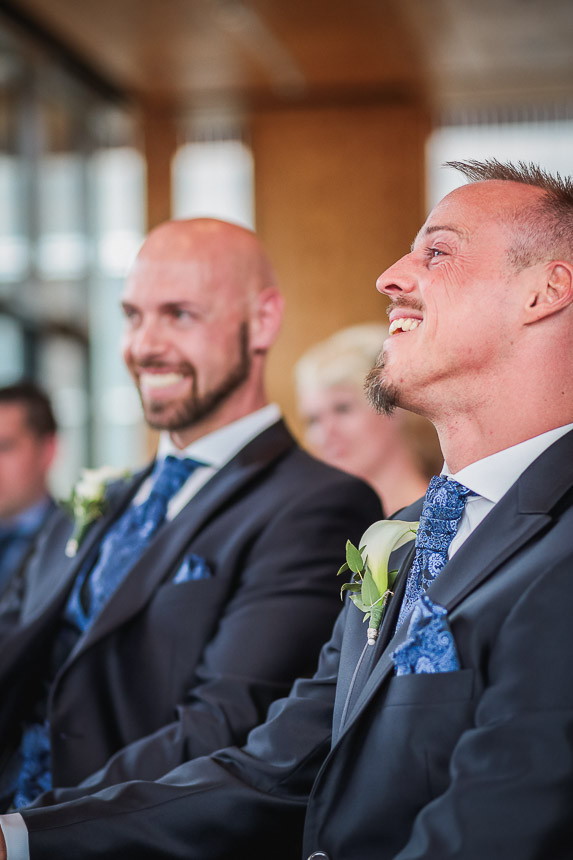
[[478, 420], [9, 514], [397, 480], [469, 438]]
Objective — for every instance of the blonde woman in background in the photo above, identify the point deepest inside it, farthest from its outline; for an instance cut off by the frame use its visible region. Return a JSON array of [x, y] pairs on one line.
[[397, 455]]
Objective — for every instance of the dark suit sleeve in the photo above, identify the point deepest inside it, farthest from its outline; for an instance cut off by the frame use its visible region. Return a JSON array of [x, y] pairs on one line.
[[272, 628], [247, 802], [511, 788]]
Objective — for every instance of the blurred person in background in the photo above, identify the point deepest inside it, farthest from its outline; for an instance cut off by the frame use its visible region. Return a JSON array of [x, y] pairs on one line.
[[396, 454], [27, 450]]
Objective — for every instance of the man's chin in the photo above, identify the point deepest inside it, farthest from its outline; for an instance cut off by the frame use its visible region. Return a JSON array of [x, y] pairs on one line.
[[382, 394], [158, 417]]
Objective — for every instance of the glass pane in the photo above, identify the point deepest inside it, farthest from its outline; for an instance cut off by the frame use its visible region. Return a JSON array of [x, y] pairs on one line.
[[214, 179], [11, 350], [14, 245], [118, 183], [62, 246], [549, 144]]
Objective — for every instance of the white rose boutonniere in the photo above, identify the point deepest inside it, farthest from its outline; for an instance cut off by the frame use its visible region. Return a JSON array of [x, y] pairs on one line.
[[371, 583], [88, 502]]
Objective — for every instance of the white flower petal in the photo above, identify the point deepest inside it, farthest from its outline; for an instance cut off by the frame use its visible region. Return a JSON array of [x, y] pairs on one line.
[[379, 541]]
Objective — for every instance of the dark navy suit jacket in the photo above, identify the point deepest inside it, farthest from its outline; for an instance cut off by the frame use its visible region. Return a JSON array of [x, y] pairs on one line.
[[190, 665], [362, 765]]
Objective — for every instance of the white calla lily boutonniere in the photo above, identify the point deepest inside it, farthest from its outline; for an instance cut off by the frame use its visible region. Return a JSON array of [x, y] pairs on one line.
[[88, 501], [371, 583]]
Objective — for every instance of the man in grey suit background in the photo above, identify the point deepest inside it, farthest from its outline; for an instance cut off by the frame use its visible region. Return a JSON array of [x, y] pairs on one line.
[[208, 582], [452, 735]]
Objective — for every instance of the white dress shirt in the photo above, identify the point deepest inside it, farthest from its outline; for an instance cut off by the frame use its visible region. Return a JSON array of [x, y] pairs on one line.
[[215, 449], [489, 478]]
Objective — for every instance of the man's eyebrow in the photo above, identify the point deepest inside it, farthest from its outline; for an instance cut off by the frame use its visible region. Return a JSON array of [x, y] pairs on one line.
[[436, 228]]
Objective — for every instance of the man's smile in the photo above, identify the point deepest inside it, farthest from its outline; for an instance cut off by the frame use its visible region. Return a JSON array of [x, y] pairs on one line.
[[404, 324], [159, 380]]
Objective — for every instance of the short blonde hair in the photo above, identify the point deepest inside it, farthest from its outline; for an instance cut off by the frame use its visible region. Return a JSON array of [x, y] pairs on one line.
[[345, 358]]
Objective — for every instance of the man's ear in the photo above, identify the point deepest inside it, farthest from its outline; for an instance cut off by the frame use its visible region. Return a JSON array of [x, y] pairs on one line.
[[551, 294], [266, 318]]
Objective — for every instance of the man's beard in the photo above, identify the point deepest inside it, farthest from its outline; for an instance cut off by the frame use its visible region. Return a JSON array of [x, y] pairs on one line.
[[382, 396], [198, 407]]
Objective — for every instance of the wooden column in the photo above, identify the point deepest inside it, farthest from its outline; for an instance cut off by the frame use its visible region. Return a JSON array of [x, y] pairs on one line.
[[160, 144], [339, 196]]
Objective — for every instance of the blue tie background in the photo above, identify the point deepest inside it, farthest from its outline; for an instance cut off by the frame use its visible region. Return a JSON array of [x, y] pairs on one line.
[[441, 513], [120, 549]]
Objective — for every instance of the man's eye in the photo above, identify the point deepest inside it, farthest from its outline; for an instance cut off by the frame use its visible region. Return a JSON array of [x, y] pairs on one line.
[[130, 317], [181, 314], [435, 252]]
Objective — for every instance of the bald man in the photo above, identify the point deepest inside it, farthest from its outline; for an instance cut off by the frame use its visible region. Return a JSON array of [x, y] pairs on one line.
[[150, 646]]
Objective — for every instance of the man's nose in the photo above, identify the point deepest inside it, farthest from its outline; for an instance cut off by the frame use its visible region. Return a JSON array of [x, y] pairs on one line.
[[399, 278], [146, 341]]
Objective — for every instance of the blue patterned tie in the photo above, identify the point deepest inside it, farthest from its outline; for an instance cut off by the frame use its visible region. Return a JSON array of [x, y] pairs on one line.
[[121, 547], [443, 507], [127, 538]]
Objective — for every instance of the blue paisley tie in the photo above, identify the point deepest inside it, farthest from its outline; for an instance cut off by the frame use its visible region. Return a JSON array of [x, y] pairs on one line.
[[121, 547], [441, 513], [126, 540]]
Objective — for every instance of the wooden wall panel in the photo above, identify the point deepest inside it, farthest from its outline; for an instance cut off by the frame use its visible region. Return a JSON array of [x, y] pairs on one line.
[[339, 196]]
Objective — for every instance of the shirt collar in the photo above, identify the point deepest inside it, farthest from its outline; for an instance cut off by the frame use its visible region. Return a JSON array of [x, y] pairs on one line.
[[217, 448], [492, 476]]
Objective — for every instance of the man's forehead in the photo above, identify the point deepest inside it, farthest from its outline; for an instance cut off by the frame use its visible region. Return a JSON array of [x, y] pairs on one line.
[[193, 276], [429, 229], [172, 268], [472, 207]]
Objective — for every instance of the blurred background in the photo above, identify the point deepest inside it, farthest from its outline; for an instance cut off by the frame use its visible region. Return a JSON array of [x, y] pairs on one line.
[[320, 123]]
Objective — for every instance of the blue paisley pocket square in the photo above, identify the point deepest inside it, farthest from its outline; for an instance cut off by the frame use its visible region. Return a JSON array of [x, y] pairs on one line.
[[193, 567], [430, 646]]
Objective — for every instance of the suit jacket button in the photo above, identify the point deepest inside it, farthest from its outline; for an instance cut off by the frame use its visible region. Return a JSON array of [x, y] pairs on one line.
[[319, 855]]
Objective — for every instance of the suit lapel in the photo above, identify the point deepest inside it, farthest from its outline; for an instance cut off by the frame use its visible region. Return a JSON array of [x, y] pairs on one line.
[[357, 674], [47, 594], [521, 514], [148, 573]]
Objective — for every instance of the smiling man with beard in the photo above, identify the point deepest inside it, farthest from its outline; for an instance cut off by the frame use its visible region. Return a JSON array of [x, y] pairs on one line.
[[209, 582]]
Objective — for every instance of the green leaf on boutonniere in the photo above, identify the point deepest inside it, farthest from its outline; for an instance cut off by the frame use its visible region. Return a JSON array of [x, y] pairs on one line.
[[353, 558], [351, 586], [371, 583], [369, 591]]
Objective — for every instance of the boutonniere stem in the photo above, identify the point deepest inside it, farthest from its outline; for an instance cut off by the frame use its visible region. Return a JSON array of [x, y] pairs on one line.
[[371, 582]]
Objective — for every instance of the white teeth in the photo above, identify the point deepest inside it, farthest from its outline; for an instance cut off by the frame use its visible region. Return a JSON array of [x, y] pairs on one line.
[[404, 324], [159, 380]]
